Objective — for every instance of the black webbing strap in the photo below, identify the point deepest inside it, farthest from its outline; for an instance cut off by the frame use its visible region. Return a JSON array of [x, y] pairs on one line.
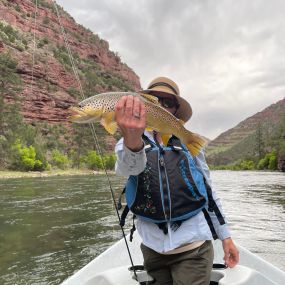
[[219, 215], [210, 223], [133, 229], [123, 221], [147, 142], [124, 215], [119, 204], [163, 227], [213, 207], [175, 144]]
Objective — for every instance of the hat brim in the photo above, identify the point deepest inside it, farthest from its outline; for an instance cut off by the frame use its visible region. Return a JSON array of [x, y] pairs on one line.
[[184, 111]]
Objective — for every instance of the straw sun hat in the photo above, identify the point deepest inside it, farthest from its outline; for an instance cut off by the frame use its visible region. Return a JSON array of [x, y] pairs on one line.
[[164, 85]]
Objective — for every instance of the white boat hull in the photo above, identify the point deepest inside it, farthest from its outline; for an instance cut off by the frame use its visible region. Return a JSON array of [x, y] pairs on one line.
[[111, 267]]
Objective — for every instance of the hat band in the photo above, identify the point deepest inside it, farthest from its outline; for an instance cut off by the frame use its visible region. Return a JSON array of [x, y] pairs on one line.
[[163, 84]]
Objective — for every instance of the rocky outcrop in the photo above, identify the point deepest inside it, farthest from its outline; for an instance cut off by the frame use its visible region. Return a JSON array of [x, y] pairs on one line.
[[47, 84]]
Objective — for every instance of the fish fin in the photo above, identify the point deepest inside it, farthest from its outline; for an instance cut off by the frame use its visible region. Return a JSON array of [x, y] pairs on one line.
[[194, 143], [165, 138], [150, 98], [109, 123]]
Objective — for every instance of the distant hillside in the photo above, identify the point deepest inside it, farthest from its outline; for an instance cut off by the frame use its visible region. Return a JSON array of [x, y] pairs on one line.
[[38, 84], [53, 86], [241, 142]]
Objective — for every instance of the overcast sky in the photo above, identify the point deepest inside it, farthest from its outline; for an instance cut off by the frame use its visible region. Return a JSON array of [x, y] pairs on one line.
[[228, 57]]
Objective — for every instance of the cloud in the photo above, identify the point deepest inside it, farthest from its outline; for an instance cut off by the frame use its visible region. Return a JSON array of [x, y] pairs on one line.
[[226, 56]]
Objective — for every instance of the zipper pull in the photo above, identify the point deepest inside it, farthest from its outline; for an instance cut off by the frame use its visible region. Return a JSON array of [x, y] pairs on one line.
[[161, 161]]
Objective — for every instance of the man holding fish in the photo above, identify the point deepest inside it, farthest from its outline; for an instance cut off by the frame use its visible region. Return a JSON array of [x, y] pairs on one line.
[[177, 218], [169, 186]]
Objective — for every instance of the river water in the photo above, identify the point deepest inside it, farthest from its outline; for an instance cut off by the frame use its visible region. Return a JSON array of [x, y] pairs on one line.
[[52, 226]]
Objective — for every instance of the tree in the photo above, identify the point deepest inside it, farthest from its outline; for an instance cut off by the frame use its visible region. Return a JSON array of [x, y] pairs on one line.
[[11, 121], [9, 79], [259, 142]]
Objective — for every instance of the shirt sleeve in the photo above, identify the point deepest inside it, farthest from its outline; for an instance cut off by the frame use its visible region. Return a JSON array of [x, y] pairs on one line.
[[129, 162], [221, 230]]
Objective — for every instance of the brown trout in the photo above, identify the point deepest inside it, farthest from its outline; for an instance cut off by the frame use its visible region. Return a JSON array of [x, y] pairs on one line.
[[101, 108]]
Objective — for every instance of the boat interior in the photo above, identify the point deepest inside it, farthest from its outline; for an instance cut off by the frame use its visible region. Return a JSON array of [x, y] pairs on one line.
[[113, 267]]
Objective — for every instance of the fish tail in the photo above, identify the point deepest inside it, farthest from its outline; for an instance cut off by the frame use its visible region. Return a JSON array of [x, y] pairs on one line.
[[194, 142]]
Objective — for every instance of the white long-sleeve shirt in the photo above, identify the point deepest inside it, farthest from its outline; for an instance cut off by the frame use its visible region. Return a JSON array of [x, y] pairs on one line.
[[192, 230]]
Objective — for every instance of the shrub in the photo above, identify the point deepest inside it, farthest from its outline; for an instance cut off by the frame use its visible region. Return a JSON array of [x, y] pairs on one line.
[[94, 161], [42, 42], [25, 158], [272, 161], [262, 164], [247, 165], [46, 21], [17, 8], [59, 160], [269, 161], [110, 161]]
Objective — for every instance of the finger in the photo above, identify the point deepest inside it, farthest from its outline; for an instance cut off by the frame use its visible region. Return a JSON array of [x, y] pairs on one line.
[[129, 107], [136, 108], [120, 107], [143, 113], [226, 257], [233, 259]]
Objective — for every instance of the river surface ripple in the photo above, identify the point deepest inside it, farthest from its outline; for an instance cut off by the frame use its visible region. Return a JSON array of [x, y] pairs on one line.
[[52, 226]]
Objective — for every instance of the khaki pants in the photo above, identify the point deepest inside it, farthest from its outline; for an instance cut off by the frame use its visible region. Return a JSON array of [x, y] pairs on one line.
[[192, 267]]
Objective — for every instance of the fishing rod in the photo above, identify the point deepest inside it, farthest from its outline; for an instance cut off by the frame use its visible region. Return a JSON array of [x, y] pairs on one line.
[[91, 125]]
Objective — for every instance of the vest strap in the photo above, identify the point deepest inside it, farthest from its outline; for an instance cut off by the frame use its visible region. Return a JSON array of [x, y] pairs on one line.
[[124, 215], [119, 204], [212, 204], [210, 223], [133, 229]]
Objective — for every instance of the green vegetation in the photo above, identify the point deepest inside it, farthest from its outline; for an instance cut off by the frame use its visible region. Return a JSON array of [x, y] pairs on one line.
[[41, 146], [93, 78], [42, 42], [268, 162], [27, 159], [12, 37], [96, 162], [59, 159], [43, 3], [10, 119], [61, 54], [46, 21], [259, 151], [17, 8]]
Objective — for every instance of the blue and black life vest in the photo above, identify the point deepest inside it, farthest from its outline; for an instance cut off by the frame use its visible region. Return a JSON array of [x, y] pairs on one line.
[[170, 189]]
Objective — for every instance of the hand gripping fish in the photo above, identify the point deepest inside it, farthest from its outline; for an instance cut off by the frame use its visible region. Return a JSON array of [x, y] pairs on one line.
[[101, 108]]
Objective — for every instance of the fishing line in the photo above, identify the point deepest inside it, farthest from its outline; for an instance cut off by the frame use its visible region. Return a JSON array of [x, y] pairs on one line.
[[94, 134]]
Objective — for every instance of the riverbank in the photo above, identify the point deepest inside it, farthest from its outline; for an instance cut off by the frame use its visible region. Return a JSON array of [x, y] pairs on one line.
[[68, 172]]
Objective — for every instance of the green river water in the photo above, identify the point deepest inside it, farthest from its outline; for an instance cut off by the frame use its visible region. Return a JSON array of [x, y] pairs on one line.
[[50, 227]]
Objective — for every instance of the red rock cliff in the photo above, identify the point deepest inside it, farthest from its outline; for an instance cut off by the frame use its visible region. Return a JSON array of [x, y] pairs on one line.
[[47, 84]]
